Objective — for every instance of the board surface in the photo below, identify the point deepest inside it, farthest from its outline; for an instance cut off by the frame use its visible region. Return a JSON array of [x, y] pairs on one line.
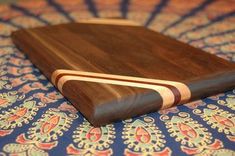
[[121, 50]]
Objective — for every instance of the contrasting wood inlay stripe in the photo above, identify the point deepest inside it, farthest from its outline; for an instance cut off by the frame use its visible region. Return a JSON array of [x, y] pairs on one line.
[[109, 21], [171, 92]]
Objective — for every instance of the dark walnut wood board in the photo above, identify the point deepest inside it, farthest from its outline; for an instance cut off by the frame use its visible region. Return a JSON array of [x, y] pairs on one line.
[[122, 50]]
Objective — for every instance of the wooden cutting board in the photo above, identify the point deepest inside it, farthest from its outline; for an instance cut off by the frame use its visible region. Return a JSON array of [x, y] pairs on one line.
[[116, 71]]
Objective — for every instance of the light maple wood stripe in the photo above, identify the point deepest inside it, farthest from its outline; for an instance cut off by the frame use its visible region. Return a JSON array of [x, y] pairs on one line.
[[166, 94], [109, 21], [183, 89]]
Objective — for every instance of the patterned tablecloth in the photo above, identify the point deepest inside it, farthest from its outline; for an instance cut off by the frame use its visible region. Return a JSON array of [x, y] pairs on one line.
[[35, 119]]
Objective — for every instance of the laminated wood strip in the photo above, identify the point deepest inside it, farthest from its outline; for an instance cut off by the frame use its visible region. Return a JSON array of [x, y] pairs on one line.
[[171, 92]]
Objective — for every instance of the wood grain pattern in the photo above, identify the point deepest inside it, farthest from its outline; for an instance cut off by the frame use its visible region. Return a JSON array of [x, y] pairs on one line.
[[121, 50], [171, 92]]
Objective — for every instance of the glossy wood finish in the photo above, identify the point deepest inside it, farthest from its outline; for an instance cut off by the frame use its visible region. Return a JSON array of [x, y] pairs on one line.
[[121, 50]]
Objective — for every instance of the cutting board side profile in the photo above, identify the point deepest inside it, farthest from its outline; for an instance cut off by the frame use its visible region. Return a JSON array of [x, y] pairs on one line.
[[114, 72]]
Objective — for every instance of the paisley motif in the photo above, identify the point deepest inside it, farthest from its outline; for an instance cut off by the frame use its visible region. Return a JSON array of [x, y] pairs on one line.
[[18, 71], [4, 83], [169, 110], [228, 102], [94, 134], [216, 97], [19, 61], [92, 140], [65, 106], [23, 149], [17, 116], [193, 137], [143, 137], [187, 131], [218, 119], [48, 97], [7, 99], [50, 126], [26, 78], [43, 134], [195, 104], [28, 87], [219, 152]]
